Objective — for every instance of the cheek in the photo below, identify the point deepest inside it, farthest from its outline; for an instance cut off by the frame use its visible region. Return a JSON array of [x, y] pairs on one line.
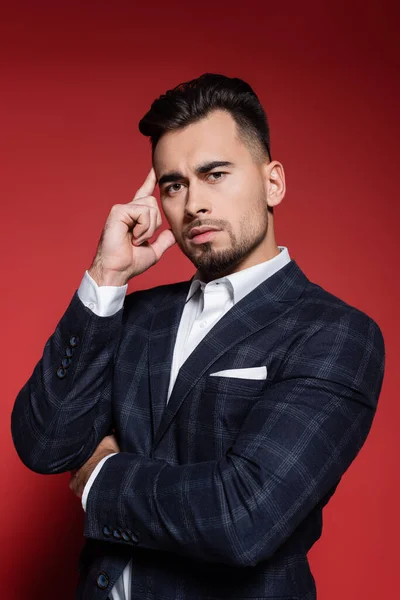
[[169, 213], [174, 219]]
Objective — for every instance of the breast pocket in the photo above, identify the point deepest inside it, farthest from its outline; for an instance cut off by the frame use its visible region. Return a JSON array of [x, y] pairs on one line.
[[235, 386], [223, 407]]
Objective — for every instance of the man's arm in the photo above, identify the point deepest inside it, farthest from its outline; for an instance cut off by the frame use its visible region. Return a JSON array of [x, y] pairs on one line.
[[293, 448], [64, 410]]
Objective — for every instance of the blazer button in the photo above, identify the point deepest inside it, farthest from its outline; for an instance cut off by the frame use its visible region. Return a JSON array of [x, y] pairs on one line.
[[116, 534], [106, 531], [66, 362], [68, 351], [61, 373], [73, 341], [102, 580]]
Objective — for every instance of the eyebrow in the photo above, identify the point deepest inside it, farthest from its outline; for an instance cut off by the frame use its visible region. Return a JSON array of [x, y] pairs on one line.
[[200, 170]]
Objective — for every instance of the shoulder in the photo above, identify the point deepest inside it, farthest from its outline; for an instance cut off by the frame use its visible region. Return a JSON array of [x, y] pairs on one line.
[[333, 333], [323, 309], [335, 342]]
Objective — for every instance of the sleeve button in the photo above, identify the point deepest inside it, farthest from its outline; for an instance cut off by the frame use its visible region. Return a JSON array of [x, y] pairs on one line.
[[135, 537], [126, 535], [66, 362], [116, 534], [68, 351], [61, 373], [73, 341], [106, 531], [102, 580]]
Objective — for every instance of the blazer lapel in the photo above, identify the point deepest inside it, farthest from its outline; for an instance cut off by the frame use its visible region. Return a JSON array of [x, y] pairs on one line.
[[258, 309], [164, 328]]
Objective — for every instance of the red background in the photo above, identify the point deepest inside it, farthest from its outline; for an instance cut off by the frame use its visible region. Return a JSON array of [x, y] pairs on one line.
[[76, 79]]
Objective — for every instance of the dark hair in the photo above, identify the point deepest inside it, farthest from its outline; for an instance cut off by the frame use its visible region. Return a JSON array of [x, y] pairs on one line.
[[193, 100]]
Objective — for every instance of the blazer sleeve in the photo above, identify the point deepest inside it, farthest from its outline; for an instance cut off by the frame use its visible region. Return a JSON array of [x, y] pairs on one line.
[[64, 410], [294, 445]]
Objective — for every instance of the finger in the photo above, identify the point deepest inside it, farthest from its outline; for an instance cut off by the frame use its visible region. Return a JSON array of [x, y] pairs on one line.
[[108, 438], [150, 230], [109, 442], [142, 223], [165, 240], [148, 186]]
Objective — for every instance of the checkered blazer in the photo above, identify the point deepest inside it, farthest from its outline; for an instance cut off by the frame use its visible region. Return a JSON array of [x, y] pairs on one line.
[[219, 493]]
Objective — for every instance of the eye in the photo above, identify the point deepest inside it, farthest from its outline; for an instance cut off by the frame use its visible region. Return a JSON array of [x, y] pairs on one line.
[[216, 173], [172, 188]]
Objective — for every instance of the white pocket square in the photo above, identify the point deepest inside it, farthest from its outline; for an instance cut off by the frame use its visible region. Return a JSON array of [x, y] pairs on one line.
[[249, 373]]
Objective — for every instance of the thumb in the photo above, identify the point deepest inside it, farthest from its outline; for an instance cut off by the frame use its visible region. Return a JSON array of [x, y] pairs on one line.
[[165, 240]]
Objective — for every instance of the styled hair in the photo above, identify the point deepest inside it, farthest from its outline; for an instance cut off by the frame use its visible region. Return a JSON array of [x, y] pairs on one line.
[[193, 100]]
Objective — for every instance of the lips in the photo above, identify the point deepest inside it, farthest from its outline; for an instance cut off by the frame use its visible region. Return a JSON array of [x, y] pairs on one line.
[[203, 229]]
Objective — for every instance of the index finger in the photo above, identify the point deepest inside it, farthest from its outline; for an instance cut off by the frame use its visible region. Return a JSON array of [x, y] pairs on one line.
[[148, 186]]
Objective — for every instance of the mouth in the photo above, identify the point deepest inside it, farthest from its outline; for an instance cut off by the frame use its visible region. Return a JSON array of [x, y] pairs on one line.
[[201, 238], [204, 233]]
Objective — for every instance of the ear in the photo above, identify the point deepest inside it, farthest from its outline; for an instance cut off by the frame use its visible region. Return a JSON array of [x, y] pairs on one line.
[[274, 180]]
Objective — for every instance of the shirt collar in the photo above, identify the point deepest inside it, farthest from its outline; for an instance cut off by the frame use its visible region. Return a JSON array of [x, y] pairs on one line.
[[241, 283]]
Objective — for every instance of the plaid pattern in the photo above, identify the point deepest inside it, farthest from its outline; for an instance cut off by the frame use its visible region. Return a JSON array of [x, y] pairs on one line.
[[218, 494]]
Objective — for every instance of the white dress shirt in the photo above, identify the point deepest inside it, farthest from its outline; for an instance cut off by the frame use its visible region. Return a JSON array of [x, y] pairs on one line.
[[205, 304]]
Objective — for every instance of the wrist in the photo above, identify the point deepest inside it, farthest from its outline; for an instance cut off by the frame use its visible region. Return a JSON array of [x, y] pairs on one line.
[[103, 278], [92, 464]]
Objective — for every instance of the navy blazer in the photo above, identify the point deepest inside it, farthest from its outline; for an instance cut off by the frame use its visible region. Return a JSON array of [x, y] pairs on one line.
[[220, 493]]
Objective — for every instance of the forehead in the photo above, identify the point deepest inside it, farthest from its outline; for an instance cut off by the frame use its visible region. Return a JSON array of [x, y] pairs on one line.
[[213, 137]]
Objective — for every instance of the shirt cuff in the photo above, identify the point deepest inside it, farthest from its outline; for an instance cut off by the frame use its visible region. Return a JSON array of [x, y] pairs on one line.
[[103, 300], [91, 479]]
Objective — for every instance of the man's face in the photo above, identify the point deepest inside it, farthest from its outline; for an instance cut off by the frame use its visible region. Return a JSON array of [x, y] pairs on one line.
[[196, 191]]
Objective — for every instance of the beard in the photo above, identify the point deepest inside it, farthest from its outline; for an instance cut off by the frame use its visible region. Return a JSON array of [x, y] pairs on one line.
[[211, 262]]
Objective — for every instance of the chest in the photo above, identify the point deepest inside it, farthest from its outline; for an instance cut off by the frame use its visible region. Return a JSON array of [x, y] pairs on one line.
[[209, 418]]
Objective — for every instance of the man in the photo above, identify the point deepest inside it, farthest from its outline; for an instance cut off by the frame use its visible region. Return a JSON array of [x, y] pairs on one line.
[[206, 422]]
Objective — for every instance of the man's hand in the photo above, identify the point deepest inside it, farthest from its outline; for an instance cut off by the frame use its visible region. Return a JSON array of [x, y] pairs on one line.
[[124, 250], [79, 477]]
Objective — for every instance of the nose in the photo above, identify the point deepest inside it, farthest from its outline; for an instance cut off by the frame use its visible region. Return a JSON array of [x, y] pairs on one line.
[[196, 203]]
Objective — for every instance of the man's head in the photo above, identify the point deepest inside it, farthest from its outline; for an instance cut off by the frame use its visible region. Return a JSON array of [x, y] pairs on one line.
[[211, 155]]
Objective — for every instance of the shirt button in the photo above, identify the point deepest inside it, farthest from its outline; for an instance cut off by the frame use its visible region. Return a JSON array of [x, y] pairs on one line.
[[91, 305], [203, 324]]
